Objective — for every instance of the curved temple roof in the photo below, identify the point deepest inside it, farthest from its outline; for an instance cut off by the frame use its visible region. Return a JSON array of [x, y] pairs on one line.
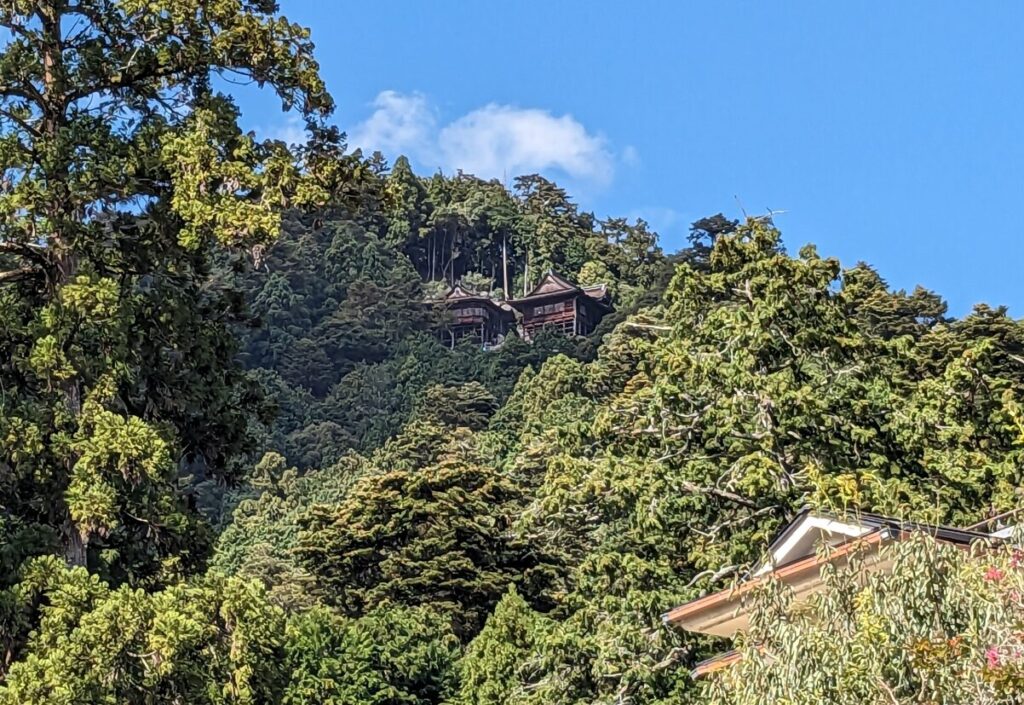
[[553, 285]]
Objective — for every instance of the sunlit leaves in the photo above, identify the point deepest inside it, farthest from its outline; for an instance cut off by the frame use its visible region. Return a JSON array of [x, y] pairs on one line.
[[943, 626]]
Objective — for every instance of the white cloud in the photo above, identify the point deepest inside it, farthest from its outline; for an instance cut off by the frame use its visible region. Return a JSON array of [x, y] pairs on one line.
[[499, 139], [400, 124], [667, 222], [292, 131], [630, 156], [495, 141]]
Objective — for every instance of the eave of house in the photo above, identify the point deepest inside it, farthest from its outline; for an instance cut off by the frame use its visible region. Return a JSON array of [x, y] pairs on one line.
[[459, 297], [795, 560], [717, 663], [492, 306], [723, 613]]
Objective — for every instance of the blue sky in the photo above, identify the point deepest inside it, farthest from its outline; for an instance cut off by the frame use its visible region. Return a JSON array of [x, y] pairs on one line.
[[887, 132]]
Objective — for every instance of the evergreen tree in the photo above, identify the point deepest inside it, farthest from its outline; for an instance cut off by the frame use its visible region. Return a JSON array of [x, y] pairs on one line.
[[124, 169], [497, 664], [467, 405], [211, 643], [397, 656], [436, 536], [749, 392]]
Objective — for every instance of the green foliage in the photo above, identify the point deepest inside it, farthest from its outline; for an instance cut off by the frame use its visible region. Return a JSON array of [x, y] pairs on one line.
[[259, 542], [604, 480], [437, 536], [218, 642], [214, 642], [664, 466], [497, 664], [759, 384], [398, 656], [123, 172], [344, 344], [467, 405], [891, 314], [542, 503]]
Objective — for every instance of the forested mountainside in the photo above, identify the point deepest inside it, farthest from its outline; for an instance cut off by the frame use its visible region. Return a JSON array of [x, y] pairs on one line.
[[346, 346], [552, 530], [236, 466]]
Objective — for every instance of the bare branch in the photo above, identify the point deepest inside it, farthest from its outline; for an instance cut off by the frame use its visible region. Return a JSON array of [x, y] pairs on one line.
[[715, 575], [24, 124], [24, 249], [721, 494], [16, 275], [646, 326]]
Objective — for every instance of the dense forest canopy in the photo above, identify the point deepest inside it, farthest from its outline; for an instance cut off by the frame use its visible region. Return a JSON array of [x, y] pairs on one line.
[[238, 466]]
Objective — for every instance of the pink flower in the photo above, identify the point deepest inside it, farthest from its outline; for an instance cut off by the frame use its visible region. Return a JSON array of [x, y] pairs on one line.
[[992, 657], [994, 574], [1017, 559]]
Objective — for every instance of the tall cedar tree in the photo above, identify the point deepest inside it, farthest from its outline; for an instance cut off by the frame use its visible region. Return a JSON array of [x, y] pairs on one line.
[[121, 168]]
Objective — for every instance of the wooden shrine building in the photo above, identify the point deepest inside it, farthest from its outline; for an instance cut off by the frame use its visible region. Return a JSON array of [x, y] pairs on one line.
[[558, 303], [473, 315]]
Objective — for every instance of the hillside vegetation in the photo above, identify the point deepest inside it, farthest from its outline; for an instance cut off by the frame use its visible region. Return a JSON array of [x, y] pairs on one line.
[[236, 466]]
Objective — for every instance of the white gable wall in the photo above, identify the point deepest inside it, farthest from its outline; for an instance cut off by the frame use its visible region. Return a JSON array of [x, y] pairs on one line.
[[804, 539]]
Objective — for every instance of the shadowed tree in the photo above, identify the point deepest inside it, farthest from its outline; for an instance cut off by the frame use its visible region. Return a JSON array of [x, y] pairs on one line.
[[437, 536]]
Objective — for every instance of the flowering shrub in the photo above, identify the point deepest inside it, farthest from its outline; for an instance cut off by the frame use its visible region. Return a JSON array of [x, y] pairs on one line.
[[945, 625]]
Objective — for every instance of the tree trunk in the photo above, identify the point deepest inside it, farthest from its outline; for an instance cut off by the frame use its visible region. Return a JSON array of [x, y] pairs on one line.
[[504, 265], [76, 548], [526, 275], [63, 219]]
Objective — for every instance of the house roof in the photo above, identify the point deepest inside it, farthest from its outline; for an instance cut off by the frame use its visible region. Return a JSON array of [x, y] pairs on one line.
[[793, 558], [715, 663], [598, 292], [802, 535], [552, 283], [459, 293]]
